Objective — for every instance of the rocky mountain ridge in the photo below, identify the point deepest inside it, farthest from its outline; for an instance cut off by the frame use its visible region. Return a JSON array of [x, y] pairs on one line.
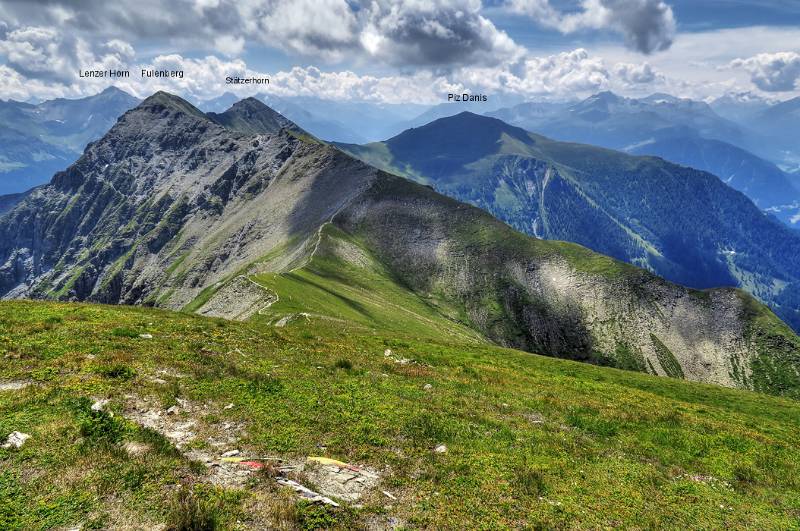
[[172, 209]]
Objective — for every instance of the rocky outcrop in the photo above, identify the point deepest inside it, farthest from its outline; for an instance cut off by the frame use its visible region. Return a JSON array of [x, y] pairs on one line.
[[559, 298]]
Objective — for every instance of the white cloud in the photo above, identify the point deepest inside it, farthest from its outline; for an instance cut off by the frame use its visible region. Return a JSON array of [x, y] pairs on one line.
[[772, 72], [647, 25], [326, 28], [37, 51], [558, 75], [228, 45], [435, 32], [636, 74], [48, 55], [14, 85]]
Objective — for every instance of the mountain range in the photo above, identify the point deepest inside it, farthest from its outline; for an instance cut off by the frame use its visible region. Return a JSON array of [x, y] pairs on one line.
[[683, 224], [38, 140], [225, 214], [683, 131]]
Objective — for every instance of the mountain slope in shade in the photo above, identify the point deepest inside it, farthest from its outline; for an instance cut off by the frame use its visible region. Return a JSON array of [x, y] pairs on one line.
[[768, 186], [680, 130], [172, 209], [681, 223], [38, 140]]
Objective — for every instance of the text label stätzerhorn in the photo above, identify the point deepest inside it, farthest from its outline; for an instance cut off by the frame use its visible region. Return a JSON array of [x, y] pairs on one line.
[[467, 97], [236, 80]]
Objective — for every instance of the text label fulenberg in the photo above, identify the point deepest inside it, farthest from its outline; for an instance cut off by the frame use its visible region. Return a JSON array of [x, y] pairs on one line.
[[467, 97], [236, 80], [104, 73], [162, 73]]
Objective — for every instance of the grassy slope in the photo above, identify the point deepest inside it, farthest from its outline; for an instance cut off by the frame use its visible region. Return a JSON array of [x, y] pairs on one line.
[[362, 293], [614, 448]]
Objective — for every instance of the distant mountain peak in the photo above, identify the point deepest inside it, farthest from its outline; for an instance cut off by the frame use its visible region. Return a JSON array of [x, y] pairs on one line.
[[468, 123], [252, 103], [606, 96], [114, 90], [252, 116], [172, 102]]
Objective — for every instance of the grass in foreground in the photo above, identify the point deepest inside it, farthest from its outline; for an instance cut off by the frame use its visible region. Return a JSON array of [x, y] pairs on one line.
[[531, 441]]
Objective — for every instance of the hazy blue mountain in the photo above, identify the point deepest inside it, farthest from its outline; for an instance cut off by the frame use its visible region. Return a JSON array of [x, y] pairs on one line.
[[219, 104], [38, 140], [780, 124], [739, 107], [614, 121], [9, 201], [683, 223], [680, 130], [369, 120]]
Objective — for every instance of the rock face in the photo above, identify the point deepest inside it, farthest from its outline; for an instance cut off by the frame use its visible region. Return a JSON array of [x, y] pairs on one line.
[[173, 209], [168, 187]]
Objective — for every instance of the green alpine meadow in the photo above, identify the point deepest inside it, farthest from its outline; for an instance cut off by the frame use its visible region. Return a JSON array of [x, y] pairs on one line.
[[531, 441]]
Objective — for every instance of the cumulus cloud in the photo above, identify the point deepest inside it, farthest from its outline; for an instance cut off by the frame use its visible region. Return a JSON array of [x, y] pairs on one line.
[[637, 74], [229, 45], [46, 54], [647, 25], [772, 72], [435, 32], [564, 75], [39, 52], [408, 32], [560, 74], [310, 27]]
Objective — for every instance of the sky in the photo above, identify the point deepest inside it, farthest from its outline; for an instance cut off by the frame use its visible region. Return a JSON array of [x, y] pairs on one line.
[[409, 51]]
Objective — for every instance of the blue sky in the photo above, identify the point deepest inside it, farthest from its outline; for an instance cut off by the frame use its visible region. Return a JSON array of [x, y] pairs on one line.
[[407, 50]]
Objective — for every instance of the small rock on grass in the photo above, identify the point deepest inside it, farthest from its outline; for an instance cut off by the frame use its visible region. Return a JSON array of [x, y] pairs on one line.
[[14, 385], [99, 405], [441, 449], [16, 439], [146, 336], [428, 387], [231, 453], [134, 448]]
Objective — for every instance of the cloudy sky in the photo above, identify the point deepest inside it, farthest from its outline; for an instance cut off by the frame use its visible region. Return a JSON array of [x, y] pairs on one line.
[[405, 51]]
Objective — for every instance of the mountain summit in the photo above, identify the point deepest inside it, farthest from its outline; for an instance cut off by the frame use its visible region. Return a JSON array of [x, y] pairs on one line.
[[250, 116], [172, 209]]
